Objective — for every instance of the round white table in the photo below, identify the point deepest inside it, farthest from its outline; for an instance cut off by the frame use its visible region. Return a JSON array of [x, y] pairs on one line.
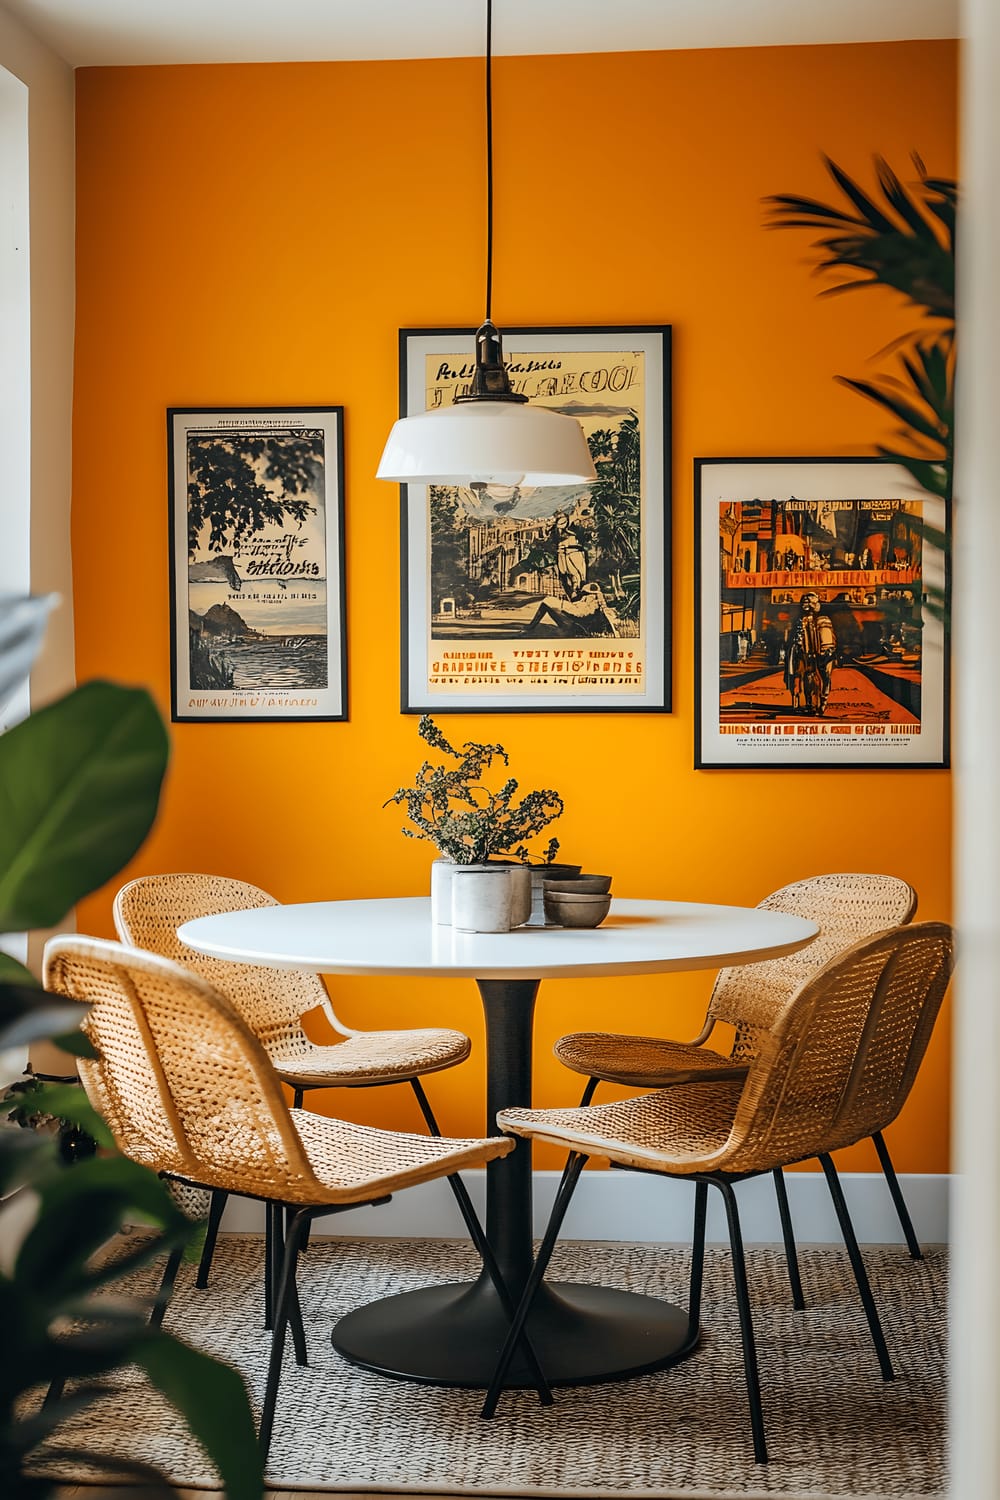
[[450, 1335]]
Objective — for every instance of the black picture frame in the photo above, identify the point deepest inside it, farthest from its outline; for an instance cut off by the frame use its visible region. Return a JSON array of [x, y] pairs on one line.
[[859, 679], [258, 621], [590, 372]]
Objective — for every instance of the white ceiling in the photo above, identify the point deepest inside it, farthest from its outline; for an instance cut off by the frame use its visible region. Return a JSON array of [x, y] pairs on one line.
[[93, 32]]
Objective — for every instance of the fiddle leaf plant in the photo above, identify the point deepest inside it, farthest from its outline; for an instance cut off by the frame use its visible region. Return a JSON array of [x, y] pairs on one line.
[[468, 823], [79, 790]]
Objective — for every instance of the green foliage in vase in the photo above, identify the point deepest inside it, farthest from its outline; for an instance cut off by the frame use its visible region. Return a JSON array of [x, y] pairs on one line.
[[903, 239], [79, 789], [451, 808]]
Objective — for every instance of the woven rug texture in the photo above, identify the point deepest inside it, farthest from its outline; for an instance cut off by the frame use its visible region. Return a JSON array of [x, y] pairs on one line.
[[834, 1428]]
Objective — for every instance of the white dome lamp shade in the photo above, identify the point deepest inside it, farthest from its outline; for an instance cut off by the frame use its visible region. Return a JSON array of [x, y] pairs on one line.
[[490, 435]]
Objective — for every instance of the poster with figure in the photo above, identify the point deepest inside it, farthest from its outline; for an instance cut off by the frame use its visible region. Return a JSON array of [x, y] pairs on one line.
[[257, 564], [821, 615], [553, 598]]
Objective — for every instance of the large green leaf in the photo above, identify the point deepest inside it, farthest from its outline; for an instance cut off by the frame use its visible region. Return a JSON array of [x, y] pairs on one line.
[[81, 1207], [213, 1402], [79, 786], [28, 1014], [150, 1483], [24, 1154], [12, 972]]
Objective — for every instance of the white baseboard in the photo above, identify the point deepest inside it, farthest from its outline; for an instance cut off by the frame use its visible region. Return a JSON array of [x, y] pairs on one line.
[[631, 1206]]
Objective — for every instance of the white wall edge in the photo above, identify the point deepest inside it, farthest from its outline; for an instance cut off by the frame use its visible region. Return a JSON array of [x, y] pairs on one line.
[[628, 1206]]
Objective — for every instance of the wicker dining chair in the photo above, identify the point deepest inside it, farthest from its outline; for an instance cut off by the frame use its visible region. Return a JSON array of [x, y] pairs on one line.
[[148, 912], [187, 1089], [831, 1064], [846, 908]]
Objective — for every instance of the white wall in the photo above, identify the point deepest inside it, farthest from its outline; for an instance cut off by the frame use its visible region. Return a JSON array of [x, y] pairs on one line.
[[35, 499], [976, 1307], [51, 239], [15, 358]]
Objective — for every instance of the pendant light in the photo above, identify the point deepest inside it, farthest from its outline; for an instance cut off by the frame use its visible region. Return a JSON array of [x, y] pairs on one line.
[[491, 435]]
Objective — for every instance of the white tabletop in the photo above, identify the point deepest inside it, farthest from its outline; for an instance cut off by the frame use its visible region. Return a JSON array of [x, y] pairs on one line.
[[396, 936]]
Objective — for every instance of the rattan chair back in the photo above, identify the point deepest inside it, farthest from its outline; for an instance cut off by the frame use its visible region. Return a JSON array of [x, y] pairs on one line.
[[846, 908], [841, 1057], [148, 912], [182, 1081]]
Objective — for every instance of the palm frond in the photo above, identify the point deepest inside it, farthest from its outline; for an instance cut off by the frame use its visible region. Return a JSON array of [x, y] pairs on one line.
[[907, 245], [892, 401], [870, 213]]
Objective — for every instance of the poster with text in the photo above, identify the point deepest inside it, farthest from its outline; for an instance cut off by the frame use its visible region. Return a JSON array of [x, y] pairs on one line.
[[257, 567], [554, 598], [821, 615]]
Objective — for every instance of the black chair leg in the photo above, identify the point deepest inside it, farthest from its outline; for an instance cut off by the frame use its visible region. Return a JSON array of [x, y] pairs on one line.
[[166, 1286], [588, 1092], [215, 1211], [482, 1244], [425, 1107], [697, 1256], [788, 1235], [585, 1099], [272, 1262], [285, 1216], [284, 1303], [461, 1196], [746, 1322], [297, 1096], [857, 1266], [160, 1304], [899, 1202], [569, 1181]]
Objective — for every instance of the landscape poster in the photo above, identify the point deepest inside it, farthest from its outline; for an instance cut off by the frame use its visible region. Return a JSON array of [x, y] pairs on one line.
[[520, 598], [257, 568], [821, 615]]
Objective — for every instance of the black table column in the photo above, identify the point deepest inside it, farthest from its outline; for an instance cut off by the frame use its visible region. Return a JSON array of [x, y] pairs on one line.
[[452, 1334]]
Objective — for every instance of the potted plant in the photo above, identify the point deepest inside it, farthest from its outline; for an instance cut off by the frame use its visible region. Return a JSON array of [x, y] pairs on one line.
[[469, 824], [79, 788]]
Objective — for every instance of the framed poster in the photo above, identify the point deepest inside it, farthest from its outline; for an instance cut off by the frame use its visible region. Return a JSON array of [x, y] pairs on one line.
[[257, 564], [556, 598], [818, 640]]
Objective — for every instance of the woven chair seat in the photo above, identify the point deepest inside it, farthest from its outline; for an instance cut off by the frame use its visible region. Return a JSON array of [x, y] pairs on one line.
[[355, 1163], [148, 912], [643, 1062], [370, 1057], [677, 1129]]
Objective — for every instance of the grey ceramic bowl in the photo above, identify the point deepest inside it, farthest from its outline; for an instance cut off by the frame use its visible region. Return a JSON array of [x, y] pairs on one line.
[[598, 885], [584, 910]]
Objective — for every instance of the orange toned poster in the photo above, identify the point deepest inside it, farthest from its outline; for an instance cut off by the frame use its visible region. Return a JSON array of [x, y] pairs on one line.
[[551, 597], [820, 615]]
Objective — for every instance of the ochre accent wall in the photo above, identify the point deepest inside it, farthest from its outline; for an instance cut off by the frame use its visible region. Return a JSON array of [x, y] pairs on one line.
[[256, 235]]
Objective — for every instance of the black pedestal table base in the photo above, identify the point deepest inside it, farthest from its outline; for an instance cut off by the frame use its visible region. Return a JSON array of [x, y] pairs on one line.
[[451, 1335]]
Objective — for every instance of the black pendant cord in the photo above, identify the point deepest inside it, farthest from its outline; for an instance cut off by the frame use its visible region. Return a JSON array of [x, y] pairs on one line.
[[489, 159], [490, 381]]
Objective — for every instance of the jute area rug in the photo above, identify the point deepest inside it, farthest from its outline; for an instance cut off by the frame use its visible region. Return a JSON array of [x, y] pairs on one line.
[[835, 1429]]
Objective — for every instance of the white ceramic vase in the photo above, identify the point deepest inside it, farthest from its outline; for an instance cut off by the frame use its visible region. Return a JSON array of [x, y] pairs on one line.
[[482, 898], [442, 872]]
